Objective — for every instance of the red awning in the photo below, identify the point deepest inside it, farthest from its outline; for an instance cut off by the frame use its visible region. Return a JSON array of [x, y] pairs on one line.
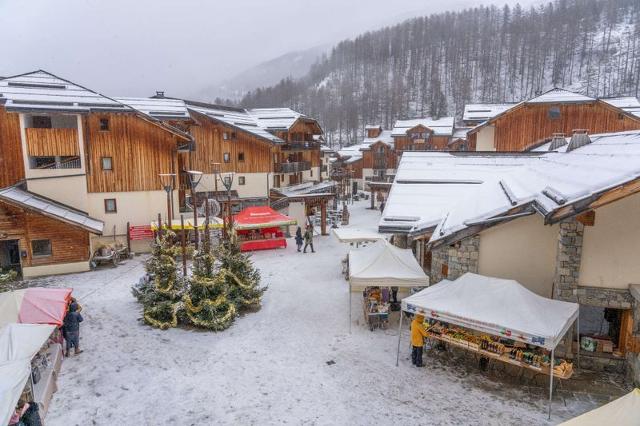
[[44, 305], [261, 217]]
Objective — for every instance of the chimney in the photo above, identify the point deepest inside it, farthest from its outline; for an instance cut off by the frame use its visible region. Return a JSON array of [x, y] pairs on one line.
[[159, 94], [558, 140], [580, 138]]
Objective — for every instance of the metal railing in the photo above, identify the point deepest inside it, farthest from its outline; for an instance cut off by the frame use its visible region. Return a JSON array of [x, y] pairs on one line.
[[296, 146], [71, 163], [294, 167]]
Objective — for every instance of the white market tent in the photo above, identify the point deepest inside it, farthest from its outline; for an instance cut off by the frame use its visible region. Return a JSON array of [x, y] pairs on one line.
[[496, 306], [384, 265], [18, 345], [624, 411], [351, 235]]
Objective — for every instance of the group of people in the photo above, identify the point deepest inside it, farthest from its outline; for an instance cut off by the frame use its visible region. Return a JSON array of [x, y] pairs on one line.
[[307, 238]]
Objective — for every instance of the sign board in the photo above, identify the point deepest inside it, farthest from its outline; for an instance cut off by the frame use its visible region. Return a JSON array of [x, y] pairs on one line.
[[141, 232]]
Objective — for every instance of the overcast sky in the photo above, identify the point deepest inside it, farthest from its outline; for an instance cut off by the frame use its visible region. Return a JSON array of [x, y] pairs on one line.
[[133, 47]]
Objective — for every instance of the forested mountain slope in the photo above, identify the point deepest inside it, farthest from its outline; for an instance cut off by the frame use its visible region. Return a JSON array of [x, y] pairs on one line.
[[433, 65]]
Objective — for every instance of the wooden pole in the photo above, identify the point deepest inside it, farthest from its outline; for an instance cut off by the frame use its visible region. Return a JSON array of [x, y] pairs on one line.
[[323, 217], [206, 224], [168, 207], [159, 225], [195, 216], [184, 247], [129, 238], [399, 337]]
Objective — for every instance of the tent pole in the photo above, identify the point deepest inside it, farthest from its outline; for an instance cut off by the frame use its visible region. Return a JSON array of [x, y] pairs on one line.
[[578, 333], [350, 307], [551, 380], [399, 337]]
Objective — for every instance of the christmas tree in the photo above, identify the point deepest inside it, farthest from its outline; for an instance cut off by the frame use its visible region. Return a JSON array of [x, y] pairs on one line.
[[160, 292], [206, 301], [241, 277]]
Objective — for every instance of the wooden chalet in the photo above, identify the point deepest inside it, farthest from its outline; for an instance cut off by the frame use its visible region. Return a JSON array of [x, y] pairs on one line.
[[378, 154], [521, 126], [423, 134], [86, 151]]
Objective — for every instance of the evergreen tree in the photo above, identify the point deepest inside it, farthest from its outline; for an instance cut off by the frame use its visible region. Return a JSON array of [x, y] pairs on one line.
[[240, 276]]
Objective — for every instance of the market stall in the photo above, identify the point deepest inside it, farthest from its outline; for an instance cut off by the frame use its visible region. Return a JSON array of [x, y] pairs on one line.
[[34, 305], [498, 319], [259, 228], [357, 236], [29, 362], [624, 411], [381, 265]]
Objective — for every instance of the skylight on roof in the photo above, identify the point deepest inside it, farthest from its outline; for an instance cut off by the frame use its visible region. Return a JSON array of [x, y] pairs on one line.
[[37, 85]]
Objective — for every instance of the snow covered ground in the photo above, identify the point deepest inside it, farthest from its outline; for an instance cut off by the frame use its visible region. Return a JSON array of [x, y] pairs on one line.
[[271, 367]]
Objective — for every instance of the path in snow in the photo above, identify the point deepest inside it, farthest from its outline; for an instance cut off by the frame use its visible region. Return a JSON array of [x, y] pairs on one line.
[[271, 367]]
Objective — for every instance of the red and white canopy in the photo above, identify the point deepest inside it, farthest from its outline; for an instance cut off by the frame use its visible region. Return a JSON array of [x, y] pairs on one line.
[[35, 305], [261, 217]]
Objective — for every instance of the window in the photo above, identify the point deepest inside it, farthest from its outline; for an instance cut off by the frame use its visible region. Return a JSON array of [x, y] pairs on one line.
[[104, 124], [225, 136], [110, 205], [311, 172], [41, 122], [41, 248], [241, 157], [241, 180], [226, 157], [554, 113], [107, 163]]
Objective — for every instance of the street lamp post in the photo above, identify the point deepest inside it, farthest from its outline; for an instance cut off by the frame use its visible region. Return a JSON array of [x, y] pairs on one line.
[[227, 181], [194, 180], [167, 180]]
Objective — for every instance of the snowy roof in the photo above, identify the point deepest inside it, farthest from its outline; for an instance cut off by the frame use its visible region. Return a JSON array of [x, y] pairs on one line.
[[234, 117], [372, 127], [629, 104], [276, 118], [483, 112], [557, 95], [307, 188], [28, 200], [448, 192], [461, 133], [352, 150], [41, 91], [440, 127], [384, 137], [160, 108]]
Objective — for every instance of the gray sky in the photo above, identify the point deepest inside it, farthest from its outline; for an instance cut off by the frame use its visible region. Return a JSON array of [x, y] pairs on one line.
[[133, 47]]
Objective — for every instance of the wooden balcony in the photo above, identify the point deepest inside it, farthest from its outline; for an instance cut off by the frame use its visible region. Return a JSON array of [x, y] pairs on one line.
[[294, 167], [300, 146], [52, 142]]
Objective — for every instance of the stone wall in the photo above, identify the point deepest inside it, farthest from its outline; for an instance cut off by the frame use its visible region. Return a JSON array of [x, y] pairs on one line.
[[455, 259], [568, 258]]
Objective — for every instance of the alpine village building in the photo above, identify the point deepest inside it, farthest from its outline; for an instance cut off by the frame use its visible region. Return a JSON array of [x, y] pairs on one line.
[[79, 169], [549, 198]]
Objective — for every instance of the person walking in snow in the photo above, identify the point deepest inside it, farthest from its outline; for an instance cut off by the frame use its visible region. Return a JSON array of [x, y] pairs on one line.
[[299, 238], [308, 239], [418, 333], [71, 329]]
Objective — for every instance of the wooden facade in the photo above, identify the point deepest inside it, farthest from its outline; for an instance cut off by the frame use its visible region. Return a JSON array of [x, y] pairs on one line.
[[527, 125], [139, 152], [11, 161], [246, 153], [379, 156], [52, 142], [429, 143], [68, 243]]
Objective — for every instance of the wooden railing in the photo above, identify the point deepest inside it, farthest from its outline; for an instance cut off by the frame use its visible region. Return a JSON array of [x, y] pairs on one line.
[[52, 142], [294, 167]]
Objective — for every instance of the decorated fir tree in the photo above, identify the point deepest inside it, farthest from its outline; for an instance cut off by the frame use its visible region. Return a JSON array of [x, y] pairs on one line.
[[160, 292], [241, 277], [206, 302]]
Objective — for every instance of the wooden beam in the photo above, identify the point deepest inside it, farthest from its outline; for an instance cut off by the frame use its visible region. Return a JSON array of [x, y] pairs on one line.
[[587, 218]]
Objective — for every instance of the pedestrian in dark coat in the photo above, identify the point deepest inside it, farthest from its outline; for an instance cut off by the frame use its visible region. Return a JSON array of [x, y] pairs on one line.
[[308, 239], [71, 329], [299, 238]]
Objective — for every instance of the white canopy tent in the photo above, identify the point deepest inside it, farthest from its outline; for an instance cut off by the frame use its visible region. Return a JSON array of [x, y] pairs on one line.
[[18, 345], [496, 306], [351, 235], [624, 411], [384, 265]]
